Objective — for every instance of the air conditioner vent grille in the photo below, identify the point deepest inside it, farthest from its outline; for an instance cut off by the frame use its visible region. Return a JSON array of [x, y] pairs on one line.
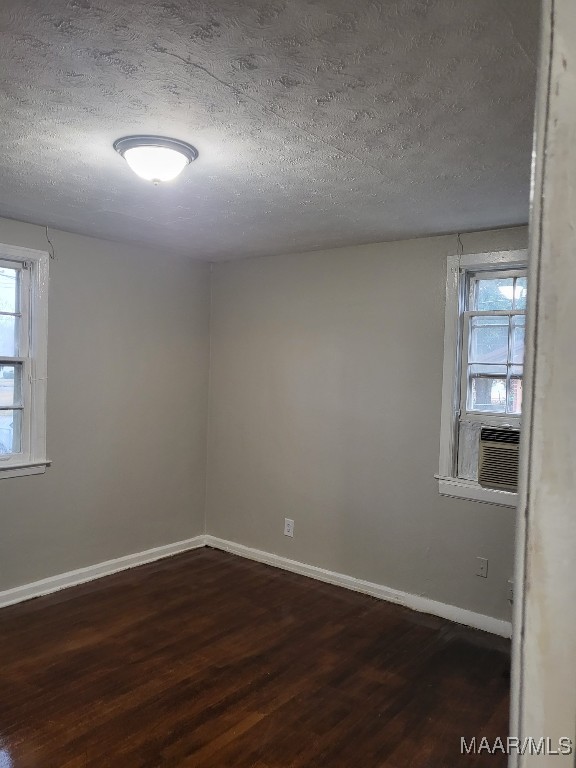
[[498, 459], [495, 435]]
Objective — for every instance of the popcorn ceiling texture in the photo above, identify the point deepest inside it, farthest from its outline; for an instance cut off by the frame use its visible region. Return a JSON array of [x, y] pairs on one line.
[[319, 123]]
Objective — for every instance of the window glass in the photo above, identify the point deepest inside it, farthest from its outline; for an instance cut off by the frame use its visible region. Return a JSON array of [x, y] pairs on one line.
[[515, 390], [9, 335], [494, 294], [8, 289], [10, 431], [487, 388], [489, 339], [518, 338], [10, 385], [520, 291]]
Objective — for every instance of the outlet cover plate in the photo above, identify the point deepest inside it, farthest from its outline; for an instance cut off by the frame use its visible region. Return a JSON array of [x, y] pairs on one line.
[[482, 567]]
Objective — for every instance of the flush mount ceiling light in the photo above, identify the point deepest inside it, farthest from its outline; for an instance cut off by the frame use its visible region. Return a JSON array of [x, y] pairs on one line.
[[156, 158]]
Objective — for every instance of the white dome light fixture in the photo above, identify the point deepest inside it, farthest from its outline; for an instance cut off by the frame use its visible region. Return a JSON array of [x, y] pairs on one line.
[[156, 158]]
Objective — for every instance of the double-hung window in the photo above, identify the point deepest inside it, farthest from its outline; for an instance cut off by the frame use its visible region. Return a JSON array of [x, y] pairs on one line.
[[483, 369], [23, 347], [493, 346]]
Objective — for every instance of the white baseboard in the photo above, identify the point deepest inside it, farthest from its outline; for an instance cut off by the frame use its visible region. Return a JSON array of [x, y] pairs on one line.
[[71, 578], [415, 602]]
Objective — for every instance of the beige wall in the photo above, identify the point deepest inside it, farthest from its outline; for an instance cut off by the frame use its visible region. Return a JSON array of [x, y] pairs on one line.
[[325, 394], [326, 374], [127, 394]]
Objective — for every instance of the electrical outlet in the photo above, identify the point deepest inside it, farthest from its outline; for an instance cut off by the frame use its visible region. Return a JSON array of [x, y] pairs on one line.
[[511, 590], [482, 567], [288, 527]]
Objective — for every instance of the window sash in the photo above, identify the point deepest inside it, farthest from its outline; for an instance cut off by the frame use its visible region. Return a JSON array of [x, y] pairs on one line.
[[472, 279], [487, 416], [494, 274], [23, 308], [23, 359]]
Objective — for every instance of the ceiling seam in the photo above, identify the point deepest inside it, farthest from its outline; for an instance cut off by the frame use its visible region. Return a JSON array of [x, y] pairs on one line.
[[269, 111]]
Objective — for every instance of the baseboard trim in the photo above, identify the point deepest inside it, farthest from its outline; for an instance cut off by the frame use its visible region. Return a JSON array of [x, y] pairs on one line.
[[97, 571], [415, 602]]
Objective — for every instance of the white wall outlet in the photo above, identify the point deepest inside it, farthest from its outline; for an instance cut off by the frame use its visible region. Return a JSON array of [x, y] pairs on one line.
[[288, 527], [511, 590], [482, 567]]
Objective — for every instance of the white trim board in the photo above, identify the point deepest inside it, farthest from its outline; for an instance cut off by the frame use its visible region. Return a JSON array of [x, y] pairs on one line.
[[97, 571], [415, 602]]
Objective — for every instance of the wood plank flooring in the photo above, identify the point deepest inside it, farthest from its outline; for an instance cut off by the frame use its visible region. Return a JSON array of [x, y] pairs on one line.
[[208, 660]]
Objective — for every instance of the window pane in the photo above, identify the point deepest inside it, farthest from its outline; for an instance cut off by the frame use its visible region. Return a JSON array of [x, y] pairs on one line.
[[9, 289], [518, 328], [487, 388], [494, 293], [8, 335], [520, 293], [515, 395], [10, 431], [489, 340], [11, 384]]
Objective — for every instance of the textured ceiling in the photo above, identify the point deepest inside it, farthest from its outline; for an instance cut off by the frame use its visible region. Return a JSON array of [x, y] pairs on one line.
[[319, 122]]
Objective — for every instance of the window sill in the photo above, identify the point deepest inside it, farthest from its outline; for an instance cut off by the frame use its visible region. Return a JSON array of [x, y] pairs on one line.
[[21, 470], [466, 489]]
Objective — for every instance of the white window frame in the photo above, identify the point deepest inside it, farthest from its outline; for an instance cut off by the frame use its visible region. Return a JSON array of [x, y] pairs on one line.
[[458, 266], [31, 460]]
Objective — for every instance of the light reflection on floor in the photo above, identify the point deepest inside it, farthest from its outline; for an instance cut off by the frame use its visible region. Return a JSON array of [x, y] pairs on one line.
[[5, 759]]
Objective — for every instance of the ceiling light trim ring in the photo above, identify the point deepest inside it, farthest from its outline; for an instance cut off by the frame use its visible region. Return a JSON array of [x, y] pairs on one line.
[[131, 142]]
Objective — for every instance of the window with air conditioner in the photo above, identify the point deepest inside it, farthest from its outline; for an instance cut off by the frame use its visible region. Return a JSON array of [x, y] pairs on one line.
[[23, 352], [483, 376]]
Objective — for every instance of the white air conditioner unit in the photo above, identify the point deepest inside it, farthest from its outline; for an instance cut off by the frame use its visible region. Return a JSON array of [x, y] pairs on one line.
[[498, 458]]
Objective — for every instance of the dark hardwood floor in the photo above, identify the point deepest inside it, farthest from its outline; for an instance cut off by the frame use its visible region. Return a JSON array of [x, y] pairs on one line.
[[207, 659]]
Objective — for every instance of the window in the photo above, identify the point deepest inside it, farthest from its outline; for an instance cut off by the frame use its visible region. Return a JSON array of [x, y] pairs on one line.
[[23, 343], [483, 364]]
